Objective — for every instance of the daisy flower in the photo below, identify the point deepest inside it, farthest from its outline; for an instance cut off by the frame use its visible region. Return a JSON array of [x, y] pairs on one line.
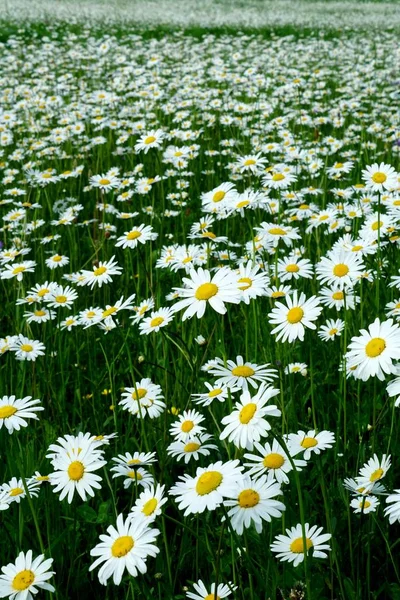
[[137, 459], [374, 470], [25, 577], [16, 489], [74, 471], [151, 139], [393, 308], [218, 200], [290, 547], [101, 274], [252, 162], [61, 297], [201, 289], [194, 448], [105, 182], [338, 298], [215, 392], [142, 309], [252, 502], [157, 319], [145, 398], [339, 268], [250, 282], [57, 260], [40, 315], [292, 267], [127, 546], [219, 591], [187, 426], [310, 442], [121, 304], [297, 367], [18, 270], [332, 329], [240, 374], [380, 177], [133, 473], [373, 352], [14, 412], [279, 180], [247, 423], [293, 318], [393, 511], [364, 504], [208, 488], [273, 462], [357, 489], [140, 234], [273, 233], [148, 505], [26, 349]]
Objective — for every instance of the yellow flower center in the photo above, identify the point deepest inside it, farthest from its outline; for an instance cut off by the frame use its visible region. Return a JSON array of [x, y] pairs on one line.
[[297, 546], [378, 474], [122, 546], [243, 371], [295, 315], [56, 258], [292, 268], [156, 321], [187, 260], [208, 482], [206, 291], [187, 426], [149, 507], [211, 597], [246, 283], [43, 292], [18, 270], [338, 165], [340, 270], [133, 235], [61, 299], [149, 140], [23, 580], [17, 491], [304, 206], [135, 475], [376, 225], [366, 504], [218, 196], [379, 177], [248, 498], [333, 331], [213, 393], [99, 271], [277, 231], [309, 442], [338, 296], [76, 470], [26, 348], [277, 294], [109, 311], [191, 447], [104, 181], [139, 393], [209, 234], [247, 413], [7, 411], [356, 248], [273, 461], [375, 347], [134, 461], [242, 204], [40, 313], [278, 177], [249, 162]]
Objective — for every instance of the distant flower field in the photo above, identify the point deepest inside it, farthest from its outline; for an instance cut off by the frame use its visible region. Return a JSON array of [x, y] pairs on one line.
[[200, 340]]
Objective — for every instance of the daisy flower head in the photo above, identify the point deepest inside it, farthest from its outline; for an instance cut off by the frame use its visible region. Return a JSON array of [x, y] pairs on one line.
[[292, 546], [13, 412], [158, 319], [250, 282], [357, 489], [279, 180], [26, 349], [292, 319], [61, 297], [364, 504], [252, 502], [202, 289], [393, 511], [310, 442], [247, 423], [239, 374], [40, 315], [105, 182], [380, 177], [194, 448], [340, 268], [133, 474], [57, 260], [146, 398], [293, 267], [218, 200], [187, 426], [137, 235], [126, 546], [219, 591], [373, 471], [331, 330], [18, 270], [273, 462], [208, 488], [148, 505], [74, 471], [142, 309], [272, 233], [215, 392], [151, 139], [26, 576], [338, 298], [297, 367], [101, 273], [372, 353], [252, 162]]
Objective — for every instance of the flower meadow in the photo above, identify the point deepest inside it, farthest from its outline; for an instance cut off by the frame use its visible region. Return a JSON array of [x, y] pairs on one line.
[[200, 340]]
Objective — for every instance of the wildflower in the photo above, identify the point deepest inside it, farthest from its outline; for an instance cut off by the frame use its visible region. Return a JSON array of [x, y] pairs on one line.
[[25, 577], [290, 547]]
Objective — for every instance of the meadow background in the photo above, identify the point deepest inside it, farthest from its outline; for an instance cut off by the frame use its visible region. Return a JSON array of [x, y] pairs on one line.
[[304, 86]]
